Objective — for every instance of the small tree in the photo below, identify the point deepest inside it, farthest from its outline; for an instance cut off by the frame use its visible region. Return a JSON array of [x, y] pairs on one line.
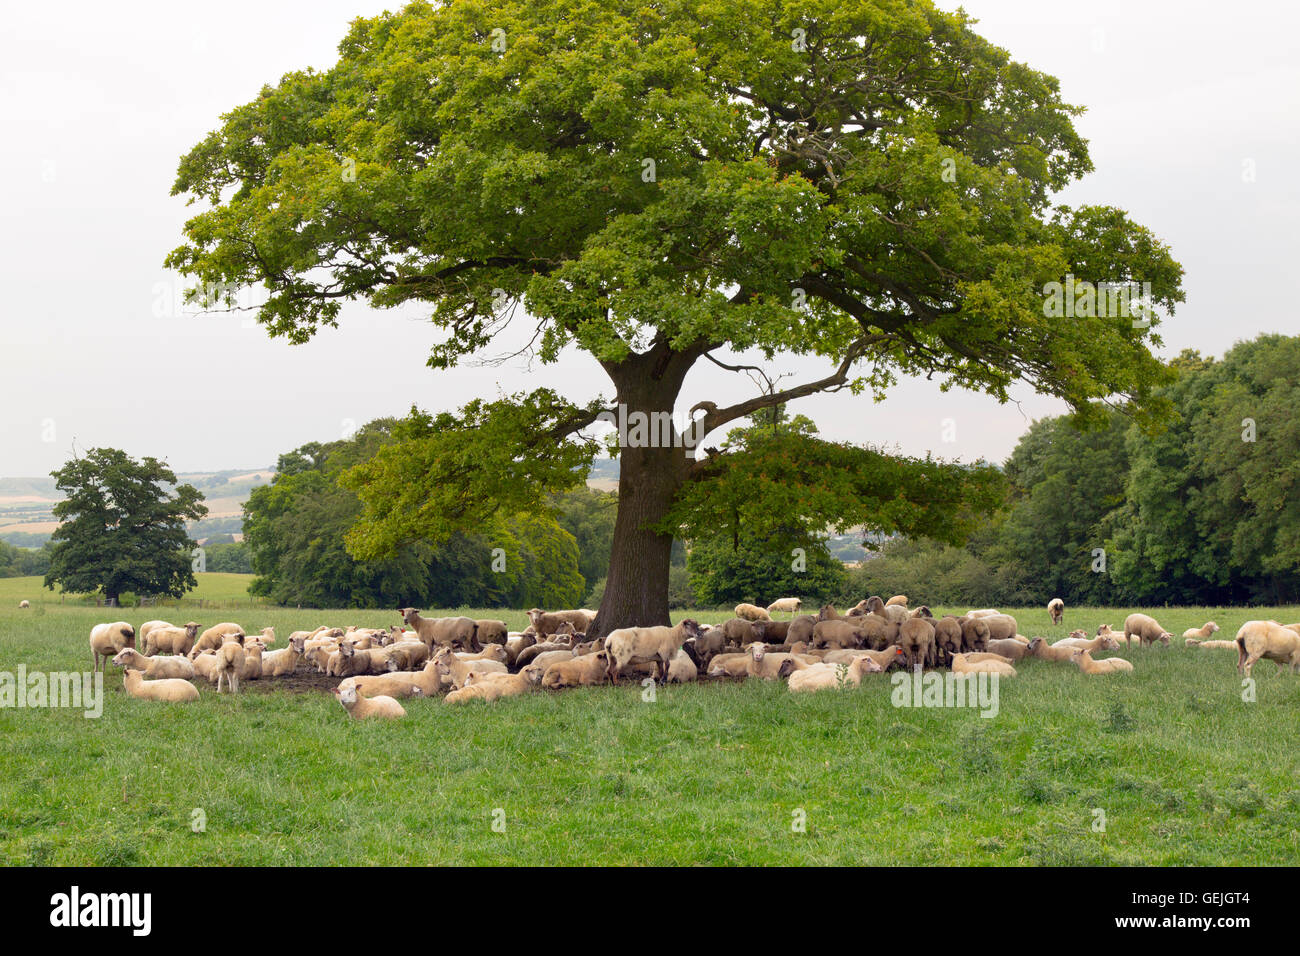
[[123, 527]]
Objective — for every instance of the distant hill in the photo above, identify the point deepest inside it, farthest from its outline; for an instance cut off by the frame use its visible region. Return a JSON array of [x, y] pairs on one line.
[[27, 519]]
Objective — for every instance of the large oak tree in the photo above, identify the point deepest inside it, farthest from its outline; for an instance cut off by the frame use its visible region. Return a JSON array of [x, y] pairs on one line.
[[663, 184]]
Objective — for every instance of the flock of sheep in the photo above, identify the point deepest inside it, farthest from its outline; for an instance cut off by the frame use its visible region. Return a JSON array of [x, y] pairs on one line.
[[461, 659]]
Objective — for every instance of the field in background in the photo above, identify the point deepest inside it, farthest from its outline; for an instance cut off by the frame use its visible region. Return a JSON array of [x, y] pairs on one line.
[[1184, 771]]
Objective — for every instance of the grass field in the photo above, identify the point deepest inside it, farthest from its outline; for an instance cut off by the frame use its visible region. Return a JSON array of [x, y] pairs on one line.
[[1184, 771]]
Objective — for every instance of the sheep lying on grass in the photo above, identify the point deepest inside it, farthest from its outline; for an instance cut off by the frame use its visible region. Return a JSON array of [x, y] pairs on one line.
[[426, 682], [815, 677], [1110, 665], [1212, 645], [362, 708], [172, 690], [1202, 632], [491, 687], [772, 666], [452, 669], [282, 662], [155, 668], [962, 665], [581, 671]]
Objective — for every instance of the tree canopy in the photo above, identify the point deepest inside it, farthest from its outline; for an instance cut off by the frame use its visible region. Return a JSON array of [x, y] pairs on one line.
[[868, 182], [123, 527]]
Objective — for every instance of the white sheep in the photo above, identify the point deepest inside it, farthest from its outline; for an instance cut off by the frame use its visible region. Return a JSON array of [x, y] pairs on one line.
[[962, 664], [24, 605], [1056, 610], [629, 645], [154, 668], [361, 708], [791, 605], [107, 640], [1110, 665], [824, 676], [1202, 632], [1146, 628], [1270, 640], [752, 612], [171, 690]]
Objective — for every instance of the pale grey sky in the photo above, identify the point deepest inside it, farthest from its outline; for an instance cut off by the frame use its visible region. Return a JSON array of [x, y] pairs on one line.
[[1185, 101]]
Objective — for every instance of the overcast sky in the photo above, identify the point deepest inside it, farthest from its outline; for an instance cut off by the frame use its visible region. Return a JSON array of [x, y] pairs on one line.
[[1185, 102]]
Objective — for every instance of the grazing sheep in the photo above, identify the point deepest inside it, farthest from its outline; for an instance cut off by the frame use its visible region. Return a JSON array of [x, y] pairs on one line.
[[361, 708], [577, 671], [1009, 648], [1269, 640], [24, 605], [1110, 665], [785, 604], [1202, 632], [492, 632], [155, 668], [164, 638], [172, 690], [107, 640], [751, 612], [1001, 626], [962, 665], [947, 638], [898, 600], [975, 633], [546, 623], [442, 631], [916, 637], [816, 677], [639, 644], [1056, 609], [491, 687], [1146, 628]]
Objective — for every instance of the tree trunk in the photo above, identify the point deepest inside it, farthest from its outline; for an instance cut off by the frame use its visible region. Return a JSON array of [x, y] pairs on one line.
[[650, 473]]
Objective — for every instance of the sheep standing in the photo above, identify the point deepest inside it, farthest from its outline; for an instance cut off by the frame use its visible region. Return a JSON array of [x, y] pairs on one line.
[[546, 623], [916, 637], [791, 605], [898, 600], [443, 631], [1056, 609], [165, 638], [230, 664], [107, 640], [1146, 628], [24, 605], [1269, 640], [629, 645]]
